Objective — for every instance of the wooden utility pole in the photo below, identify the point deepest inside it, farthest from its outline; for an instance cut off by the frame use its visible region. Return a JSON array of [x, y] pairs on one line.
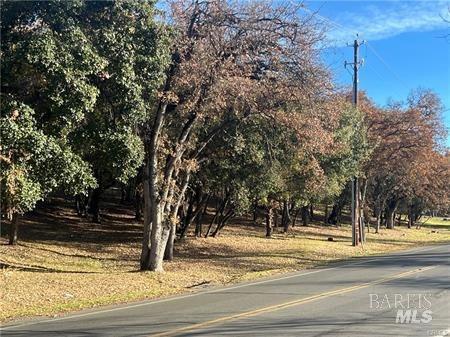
[[357, 225]]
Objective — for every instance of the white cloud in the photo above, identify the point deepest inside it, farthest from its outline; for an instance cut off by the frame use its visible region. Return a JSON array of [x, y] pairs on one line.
[[384, 19]]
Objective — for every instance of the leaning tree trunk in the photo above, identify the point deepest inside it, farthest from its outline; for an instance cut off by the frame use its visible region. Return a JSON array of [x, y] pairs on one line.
[[228, 215], [14, 229], [221, 206], [168, 253]]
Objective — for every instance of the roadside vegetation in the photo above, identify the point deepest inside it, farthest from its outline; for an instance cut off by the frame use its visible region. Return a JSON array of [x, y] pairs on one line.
[[195, 138], [65, 263]]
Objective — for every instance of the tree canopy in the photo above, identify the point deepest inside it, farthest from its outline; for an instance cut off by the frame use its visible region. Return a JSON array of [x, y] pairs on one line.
[[201, 102]]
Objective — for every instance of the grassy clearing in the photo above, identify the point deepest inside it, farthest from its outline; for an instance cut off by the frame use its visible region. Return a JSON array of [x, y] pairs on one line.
[[65, 263], [437, 222]]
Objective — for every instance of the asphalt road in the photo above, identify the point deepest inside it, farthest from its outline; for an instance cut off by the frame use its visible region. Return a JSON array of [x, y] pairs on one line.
[[355, 298]]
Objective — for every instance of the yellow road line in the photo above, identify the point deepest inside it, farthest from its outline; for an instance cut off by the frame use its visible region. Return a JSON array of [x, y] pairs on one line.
[[289, 304]]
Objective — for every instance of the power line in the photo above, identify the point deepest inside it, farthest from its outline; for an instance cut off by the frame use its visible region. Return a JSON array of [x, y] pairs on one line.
[[333, 23], [381, 77], [387, 66], [372, 48]]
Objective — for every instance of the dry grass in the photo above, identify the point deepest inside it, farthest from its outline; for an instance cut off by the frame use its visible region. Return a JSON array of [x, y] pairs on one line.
[[64, 263]]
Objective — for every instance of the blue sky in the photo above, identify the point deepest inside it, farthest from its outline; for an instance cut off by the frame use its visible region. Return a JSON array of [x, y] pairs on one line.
[[406, 47]]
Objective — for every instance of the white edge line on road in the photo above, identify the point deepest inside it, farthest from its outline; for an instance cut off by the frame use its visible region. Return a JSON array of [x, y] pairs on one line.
[[208, 291]]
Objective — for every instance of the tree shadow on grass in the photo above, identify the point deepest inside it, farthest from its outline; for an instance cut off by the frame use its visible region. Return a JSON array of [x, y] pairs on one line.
[[41, 269]]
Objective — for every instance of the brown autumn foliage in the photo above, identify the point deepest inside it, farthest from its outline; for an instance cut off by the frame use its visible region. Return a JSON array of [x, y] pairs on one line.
[[407, 166], [230, 61]]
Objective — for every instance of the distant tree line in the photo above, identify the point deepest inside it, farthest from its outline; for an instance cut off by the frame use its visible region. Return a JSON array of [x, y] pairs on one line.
[[207, 103]]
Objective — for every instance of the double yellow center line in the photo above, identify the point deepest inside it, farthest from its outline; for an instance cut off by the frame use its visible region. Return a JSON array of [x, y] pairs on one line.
[[290, 303]]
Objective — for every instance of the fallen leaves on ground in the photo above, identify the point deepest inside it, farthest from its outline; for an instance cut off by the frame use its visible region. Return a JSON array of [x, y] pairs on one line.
[[48, 277]]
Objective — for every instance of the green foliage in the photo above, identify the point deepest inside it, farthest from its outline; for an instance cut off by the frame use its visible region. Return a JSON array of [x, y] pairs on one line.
[[136, 49], [89, 71], [246, 163], [352, 151], [34, 164], [114, 154], [48, 62]]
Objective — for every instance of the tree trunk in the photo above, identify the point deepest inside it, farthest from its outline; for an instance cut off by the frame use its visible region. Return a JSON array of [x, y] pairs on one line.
[[275, 217], [286, 217], [223, 222], [81, 202], [366, 217], [172, 217], [160, 229], [389, 220], [94, 207], [138, 204], [199, 199], [14, 229], [187, 219], [269, 221], [130, 191], [336, 212], [198, 220], [377, 227], [410, 216], [158, 238], [212, 222], [294, 221], [305, 215], [168, 253], [255, 210], [390, 211], [311, 212], [219, 213], [378, 212], [334, 217], [145, 253], [362, 233]]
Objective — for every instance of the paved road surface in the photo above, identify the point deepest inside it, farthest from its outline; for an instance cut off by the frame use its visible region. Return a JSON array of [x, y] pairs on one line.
[[355, 298]]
